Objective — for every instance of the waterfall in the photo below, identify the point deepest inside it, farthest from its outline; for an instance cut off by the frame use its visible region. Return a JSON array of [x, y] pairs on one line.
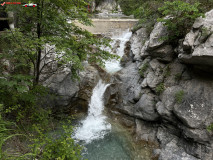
[[114, 66], [95, 125]]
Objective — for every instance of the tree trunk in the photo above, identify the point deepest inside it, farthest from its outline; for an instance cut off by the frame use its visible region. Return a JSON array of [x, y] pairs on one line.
[[38, 61]]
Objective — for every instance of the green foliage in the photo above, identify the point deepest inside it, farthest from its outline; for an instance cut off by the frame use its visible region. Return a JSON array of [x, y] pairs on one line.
[[178, 76], [210, 128], [39, 26], [160, 88], [143, 69], [179, 96], [6, 133], [181, 17], [147, 10], [167, 72], [57, 145]]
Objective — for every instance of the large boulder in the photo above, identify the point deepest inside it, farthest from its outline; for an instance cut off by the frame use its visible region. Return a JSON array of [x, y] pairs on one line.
[[70, 93], [137, 41], [196, 109], [198, 44], [157, 46], [145, 108], [157, 36]]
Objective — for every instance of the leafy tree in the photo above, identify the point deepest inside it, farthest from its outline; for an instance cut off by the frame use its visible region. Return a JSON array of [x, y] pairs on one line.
[[48, 24], [40, 31], [180, 17]]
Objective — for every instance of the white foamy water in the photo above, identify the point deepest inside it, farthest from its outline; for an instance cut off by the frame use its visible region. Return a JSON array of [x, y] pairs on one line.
[[95, 125], [114, 66]]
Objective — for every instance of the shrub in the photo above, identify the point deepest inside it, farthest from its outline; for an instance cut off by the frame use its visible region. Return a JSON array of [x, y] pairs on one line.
[[58, 145], [179, 96], [143, 69], [167, 72], [181, 17], [178, 76], [210, 127], [160, 88]]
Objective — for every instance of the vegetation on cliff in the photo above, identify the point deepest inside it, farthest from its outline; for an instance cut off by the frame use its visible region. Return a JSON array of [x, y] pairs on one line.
[[23, 61], [23, 120], [183, 13]]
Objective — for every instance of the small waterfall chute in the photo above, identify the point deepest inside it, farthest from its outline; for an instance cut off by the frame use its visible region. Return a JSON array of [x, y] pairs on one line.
[[95, 125]]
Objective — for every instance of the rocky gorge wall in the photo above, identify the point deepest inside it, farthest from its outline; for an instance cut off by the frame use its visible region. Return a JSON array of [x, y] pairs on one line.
[[166, 92], [163, 92]]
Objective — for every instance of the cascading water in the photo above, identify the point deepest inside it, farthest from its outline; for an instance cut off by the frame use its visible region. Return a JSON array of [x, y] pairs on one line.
[[95, 132], [114, 66], [95, 125]]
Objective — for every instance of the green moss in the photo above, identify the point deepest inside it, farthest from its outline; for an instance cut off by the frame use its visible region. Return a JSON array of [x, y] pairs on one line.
[[167, 72], [205, 31], [143, 69], [178, 76], [210, 127], [160, 88], [179, 96]]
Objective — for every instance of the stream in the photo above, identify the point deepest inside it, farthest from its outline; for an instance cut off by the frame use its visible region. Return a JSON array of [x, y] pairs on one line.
[[102, 138]]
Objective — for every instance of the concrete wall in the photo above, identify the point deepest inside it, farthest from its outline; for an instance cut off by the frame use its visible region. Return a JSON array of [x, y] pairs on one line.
[[106, 26]]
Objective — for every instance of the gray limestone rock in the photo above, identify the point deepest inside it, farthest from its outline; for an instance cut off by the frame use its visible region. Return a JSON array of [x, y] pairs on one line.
[[173, 152], [164, 53], [145, 108], [146, 131], [198, 43], [137, 41], [156, 37], [197, 105]]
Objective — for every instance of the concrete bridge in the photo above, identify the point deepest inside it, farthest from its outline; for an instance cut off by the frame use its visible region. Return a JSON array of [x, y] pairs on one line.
[[107, 26]]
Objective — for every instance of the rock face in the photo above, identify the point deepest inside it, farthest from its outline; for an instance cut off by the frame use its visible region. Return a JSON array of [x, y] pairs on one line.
[[155, 45], [170, 101], [140, 36], [198, 43], [108, 5], [73, 93]]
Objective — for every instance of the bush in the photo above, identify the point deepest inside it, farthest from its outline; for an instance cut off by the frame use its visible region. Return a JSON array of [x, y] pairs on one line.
[[179, 96], [167, 72], [181, 17], [58, 145], [178, 76], [143, 69], [210, 127], [160, 88]]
